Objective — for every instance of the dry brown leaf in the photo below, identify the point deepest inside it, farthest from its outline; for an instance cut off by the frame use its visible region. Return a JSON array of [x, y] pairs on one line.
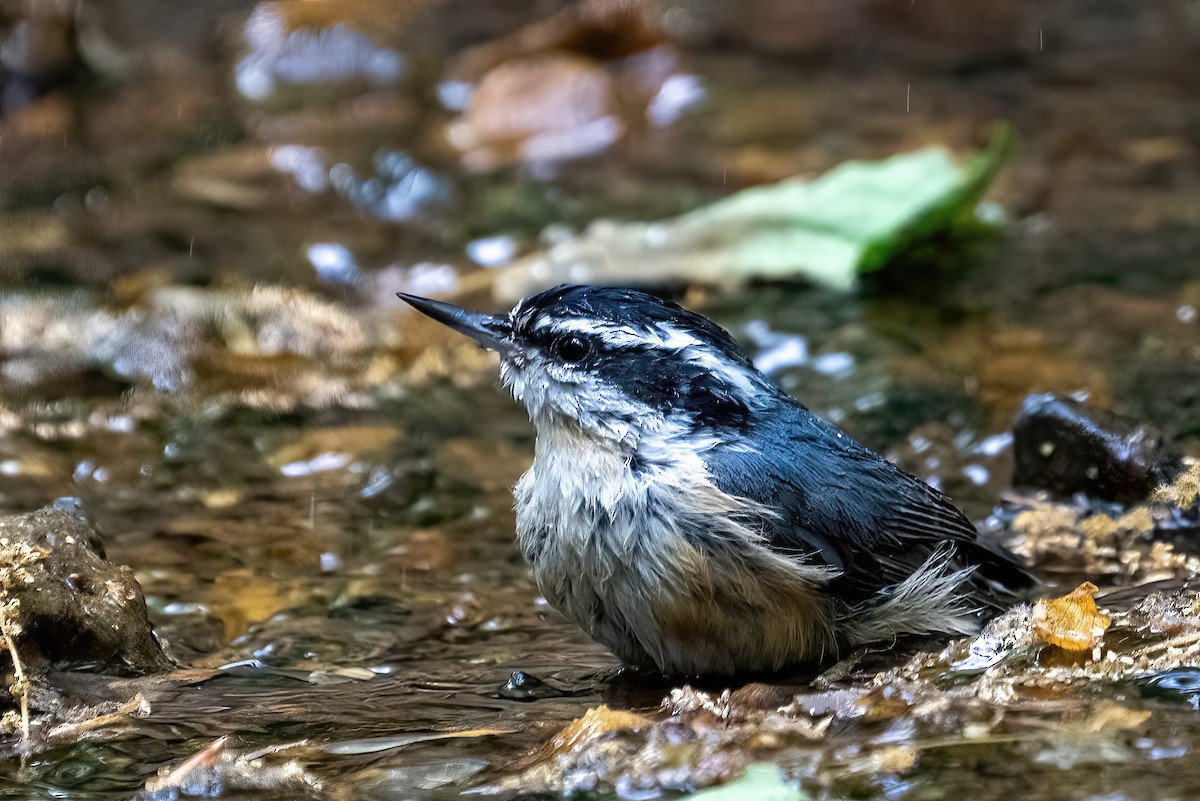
[[581, 730], [241, 597], [1072, 622]]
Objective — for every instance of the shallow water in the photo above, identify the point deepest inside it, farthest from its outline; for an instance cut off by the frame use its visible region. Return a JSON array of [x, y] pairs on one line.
[[329, 505]]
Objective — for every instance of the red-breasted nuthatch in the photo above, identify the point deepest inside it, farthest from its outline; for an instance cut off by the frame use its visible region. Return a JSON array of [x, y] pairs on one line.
[[692, 517]]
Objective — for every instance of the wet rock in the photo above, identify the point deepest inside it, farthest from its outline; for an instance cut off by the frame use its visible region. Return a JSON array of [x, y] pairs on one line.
[[1065, 446], [465, 611], [522, 686], [759, 696], [396, 189], [72, 605]]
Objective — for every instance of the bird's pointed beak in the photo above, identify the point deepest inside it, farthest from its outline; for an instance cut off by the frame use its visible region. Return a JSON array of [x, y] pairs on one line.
[[489, 331]]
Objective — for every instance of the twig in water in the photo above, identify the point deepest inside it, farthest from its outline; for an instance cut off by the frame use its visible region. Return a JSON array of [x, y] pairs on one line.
[[20, 686]]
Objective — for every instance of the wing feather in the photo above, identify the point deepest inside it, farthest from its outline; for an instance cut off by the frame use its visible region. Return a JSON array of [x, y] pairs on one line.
[[844, 505]]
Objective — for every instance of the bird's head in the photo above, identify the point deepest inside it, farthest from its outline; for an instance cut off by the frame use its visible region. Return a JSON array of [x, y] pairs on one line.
[[617, 362]]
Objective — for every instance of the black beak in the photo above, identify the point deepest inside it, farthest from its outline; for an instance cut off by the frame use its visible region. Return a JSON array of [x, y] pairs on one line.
[[493, 332]]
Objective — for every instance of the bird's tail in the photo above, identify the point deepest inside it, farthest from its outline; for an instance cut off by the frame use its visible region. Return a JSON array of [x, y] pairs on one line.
[[930, 601]]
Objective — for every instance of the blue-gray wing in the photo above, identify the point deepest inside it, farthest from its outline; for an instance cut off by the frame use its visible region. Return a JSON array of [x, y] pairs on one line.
[[842, 504]]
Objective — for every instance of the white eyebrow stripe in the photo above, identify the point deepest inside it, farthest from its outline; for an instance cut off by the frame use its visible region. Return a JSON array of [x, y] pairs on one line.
[[662, 335]]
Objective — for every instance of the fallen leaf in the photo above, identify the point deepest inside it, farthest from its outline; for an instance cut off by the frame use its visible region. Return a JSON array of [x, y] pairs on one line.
[[595, 722], [1072, 622], [240, 597], [850, 220]]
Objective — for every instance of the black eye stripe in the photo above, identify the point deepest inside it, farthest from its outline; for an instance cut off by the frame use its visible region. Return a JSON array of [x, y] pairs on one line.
[[555, 343]]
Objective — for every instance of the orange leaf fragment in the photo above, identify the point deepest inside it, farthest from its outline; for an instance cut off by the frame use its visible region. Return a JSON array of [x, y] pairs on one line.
[[595, 722], [1072, 622]]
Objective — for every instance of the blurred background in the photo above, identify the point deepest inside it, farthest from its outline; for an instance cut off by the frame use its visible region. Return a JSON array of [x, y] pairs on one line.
[[207, 207]]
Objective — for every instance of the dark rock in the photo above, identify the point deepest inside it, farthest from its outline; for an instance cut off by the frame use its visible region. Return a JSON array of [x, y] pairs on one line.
[[760, 697], [522, 686], [73, 606], [1065, 446]]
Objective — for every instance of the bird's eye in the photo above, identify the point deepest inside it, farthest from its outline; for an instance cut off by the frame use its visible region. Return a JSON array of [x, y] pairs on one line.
[[571, 348]]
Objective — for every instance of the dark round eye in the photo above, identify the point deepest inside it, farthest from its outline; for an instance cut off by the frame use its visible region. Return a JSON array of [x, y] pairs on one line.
[[571, 348]]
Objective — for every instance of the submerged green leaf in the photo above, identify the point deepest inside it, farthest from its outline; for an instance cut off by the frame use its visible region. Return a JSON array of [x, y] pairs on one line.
[[828, 230], [762, 781]]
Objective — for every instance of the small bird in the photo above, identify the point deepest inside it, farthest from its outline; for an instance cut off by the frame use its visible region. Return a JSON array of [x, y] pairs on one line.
[[694, 518]]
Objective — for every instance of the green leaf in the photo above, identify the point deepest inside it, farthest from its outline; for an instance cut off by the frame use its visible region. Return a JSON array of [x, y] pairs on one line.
[[762, 781], [828, 230]]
